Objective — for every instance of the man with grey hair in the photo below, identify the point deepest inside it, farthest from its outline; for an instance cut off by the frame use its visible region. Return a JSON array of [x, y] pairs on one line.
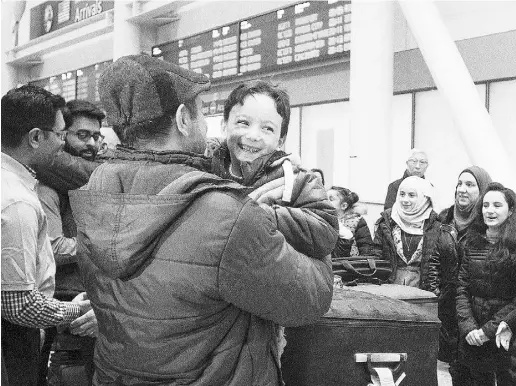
[[186, 274], [417, 163]]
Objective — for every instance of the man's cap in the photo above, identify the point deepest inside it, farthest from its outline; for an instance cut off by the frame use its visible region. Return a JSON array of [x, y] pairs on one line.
[[139, 88]]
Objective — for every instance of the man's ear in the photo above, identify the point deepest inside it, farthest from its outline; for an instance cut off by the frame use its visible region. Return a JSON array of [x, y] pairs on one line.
[[183, 120], [34, 137]]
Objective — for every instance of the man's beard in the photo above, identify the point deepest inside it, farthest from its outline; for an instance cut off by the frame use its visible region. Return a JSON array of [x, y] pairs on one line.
[[88, 154]]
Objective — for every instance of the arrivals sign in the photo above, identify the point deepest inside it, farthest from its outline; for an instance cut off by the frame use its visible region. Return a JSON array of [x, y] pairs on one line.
[[53, 15], [304, 33]]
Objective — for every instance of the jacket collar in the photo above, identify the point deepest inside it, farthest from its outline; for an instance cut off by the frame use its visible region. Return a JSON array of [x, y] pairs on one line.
[[252, 172], [195, 160], [26, 175]]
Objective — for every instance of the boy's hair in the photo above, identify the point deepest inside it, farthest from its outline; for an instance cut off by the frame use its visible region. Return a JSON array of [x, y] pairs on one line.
[[25, 108], [278, 95], [81, 108]]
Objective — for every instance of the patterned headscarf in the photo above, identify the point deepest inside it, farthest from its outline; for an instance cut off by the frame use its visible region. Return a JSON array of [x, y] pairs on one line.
[[412, 221], [463, 215]]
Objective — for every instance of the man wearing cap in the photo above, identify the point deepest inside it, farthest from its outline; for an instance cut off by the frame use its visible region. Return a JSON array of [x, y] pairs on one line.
[[186, 274]]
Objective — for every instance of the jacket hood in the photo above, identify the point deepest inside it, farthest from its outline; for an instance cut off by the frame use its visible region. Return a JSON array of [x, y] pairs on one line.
[[126, 207]]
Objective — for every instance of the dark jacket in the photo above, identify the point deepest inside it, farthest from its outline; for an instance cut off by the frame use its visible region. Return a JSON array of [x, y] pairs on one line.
[[308, 221], [385, 248], [444, 264], [483, 300], [362, 237], [187, 275], [392, 191]]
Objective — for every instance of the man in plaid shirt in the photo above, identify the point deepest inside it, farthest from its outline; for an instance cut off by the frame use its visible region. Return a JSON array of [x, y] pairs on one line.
[[32, 128]]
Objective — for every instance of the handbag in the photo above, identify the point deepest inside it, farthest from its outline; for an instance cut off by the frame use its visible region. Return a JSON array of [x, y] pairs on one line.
[[369, 269]]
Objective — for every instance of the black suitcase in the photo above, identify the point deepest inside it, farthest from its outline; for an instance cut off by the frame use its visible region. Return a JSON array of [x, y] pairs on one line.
[[360, 333]]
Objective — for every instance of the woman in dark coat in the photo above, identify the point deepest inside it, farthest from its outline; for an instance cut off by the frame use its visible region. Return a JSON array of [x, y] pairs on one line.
[[486, 291], [406, 235], [354, 235], [471, 184]]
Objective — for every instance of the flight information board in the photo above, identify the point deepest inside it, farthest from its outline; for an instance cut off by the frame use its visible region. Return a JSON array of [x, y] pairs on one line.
[[308, 32], [214, 52], [79, 84]]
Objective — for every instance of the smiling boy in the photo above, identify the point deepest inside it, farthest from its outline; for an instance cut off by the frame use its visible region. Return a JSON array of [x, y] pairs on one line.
[[256, 119]]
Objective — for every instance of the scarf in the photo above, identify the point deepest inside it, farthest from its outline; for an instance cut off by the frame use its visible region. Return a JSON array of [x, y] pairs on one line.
[[412, 221], [463, 215]]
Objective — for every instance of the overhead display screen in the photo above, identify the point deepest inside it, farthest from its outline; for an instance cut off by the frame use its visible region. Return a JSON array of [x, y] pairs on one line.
[[304, 33], [80, 84], [214, 53]]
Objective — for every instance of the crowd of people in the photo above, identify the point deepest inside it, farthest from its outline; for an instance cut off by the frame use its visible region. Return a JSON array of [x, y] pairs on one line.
[[174, 259]]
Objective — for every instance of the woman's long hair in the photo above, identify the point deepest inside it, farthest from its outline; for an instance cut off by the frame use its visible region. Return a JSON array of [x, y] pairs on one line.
[[502, 257]]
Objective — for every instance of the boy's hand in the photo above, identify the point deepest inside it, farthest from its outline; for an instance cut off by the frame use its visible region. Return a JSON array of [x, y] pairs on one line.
[[270, 192]]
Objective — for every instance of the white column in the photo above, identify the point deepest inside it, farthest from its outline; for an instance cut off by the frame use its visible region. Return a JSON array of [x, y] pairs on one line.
[[371, 81], [126, 35], [450, 74], [9, 73]]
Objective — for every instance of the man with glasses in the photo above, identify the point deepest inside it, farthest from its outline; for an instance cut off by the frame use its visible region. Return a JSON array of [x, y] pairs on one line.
[[417, 163], [32, 129], [71, 362]]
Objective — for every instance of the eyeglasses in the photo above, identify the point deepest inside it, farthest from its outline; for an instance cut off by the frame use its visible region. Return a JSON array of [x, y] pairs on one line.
[[85, 135], [413, 161], [59, 134]]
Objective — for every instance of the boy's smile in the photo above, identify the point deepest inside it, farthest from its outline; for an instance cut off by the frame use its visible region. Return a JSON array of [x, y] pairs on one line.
[[253, 129]]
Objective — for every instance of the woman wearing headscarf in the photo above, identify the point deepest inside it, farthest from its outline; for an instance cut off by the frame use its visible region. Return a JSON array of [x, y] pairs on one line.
[[444, 264], [406, 234], [486, 289]]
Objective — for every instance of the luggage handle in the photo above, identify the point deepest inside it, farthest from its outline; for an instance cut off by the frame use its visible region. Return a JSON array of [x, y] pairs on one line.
[[372, 265], [376, 358]]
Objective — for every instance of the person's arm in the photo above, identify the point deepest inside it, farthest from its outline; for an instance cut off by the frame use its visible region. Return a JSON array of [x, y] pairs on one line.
[[465, 318], [378, 243], [434, 267], [363, 238], [308, 222], [64, 248], [35, 310], [502, 314], [262, 274], [510, 319], [64, 172]]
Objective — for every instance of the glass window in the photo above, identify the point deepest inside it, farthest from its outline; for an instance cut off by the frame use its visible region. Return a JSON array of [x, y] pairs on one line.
[[325, 141], [294, 132], [437, 134], [502, 107]]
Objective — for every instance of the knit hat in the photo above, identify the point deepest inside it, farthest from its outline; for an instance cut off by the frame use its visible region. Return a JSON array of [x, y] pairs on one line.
[[139, 88]]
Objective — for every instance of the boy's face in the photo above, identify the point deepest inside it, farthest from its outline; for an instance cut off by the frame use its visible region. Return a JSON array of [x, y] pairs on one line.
[[253, 129]]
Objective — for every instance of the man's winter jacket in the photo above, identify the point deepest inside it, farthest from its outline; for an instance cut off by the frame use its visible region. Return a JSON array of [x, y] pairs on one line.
[[187, 275]]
